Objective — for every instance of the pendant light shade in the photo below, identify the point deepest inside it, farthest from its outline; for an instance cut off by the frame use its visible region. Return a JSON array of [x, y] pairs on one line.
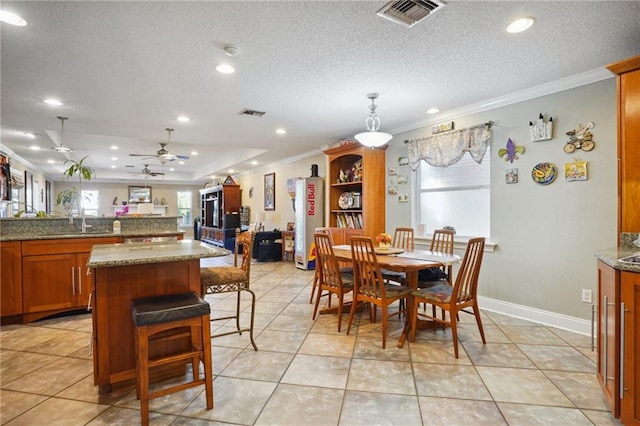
[[372, 137], [62, 148]]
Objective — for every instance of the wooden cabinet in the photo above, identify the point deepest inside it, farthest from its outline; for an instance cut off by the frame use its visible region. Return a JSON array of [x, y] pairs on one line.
[[356, 201], [10, 278], [630, 346], [215, 202], [288, 245], [618, 348], [55, 277], [608, 335], [628, 82]]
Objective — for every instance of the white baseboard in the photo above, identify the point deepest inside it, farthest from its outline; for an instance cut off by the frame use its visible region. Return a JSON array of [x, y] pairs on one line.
[[551, 319]]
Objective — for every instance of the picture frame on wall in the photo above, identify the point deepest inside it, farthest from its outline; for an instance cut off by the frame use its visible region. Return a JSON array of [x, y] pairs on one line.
[[270, 191]]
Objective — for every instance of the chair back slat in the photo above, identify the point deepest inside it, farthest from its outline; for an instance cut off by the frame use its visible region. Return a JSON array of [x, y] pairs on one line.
[[367, 276], [466, 285], [403, 238], [326, 263]]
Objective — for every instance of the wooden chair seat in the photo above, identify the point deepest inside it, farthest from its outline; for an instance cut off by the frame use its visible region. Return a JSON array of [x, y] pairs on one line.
[[222, 279]]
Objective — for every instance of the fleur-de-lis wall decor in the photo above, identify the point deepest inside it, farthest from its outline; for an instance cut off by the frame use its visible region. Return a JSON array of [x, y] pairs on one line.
[[511, 151]]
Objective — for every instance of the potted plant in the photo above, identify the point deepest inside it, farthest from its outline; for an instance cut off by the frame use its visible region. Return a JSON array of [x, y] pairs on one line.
[[70, 198]]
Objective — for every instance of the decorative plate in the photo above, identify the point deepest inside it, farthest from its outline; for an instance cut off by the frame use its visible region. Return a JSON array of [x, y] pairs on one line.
[[544, 173], [343, 201], [390, 250]]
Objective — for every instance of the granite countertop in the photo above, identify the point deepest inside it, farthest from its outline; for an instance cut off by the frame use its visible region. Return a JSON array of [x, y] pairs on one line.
[[124, 254], [613, 255], [130, 234]]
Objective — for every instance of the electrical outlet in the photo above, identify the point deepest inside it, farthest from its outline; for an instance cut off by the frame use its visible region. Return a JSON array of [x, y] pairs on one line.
[[586, 295]]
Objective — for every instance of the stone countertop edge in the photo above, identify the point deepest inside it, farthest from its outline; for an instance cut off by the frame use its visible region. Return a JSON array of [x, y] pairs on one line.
[[90, 235], [612, 255], [125, 254]]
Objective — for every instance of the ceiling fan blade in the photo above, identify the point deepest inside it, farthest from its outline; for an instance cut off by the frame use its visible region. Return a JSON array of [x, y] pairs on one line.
[[144, 155], [182, 157]]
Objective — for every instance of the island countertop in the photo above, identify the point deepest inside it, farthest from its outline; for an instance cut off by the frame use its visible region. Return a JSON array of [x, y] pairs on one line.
[[105, 255]]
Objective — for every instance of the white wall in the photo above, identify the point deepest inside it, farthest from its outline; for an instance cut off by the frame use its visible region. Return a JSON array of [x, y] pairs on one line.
[[546, 236]]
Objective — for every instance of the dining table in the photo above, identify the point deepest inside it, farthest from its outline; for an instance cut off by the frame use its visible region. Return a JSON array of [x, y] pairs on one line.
[[407, 261]]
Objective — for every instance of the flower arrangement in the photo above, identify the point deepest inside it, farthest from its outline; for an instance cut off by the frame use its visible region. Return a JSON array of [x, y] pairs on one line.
[[384, 238]]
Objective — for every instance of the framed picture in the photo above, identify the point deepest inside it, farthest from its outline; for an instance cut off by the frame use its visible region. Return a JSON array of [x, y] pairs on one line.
[[290, 226], [270, 191], [403, 161], [392, 189], [575, 171], [139, 194], [402, 179], [511, 175], [403, 198]]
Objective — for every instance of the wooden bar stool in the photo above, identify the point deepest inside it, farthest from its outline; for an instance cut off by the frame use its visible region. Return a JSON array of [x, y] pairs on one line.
[[158, 314]]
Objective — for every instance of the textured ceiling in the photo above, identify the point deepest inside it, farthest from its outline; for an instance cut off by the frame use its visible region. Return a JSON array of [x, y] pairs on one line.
[[126, 70]]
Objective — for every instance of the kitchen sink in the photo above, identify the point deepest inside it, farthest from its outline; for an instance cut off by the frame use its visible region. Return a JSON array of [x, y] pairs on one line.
[[634, 258]]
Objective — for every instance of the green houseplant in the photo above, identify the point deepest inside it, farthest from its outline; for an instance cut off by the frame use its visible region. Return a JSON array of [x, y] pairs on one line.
[[70, 198]]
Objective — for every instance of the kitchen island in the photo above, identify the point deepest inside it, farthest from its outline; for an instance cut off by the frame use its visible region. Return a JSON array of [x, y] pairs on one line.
[[123, 272]]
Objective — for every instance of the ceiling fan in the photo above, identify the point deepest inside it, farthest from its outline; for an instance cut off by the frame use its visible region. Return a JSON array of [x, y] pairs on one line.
[[163, 155], [147, 172]]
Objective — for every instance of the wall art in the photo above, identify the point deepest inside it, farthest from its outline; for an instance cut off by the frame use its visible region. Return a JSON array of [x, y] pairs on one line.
[[393, 171], [392, 190], [544, 173], [270, 191], [511, 151], [511, 175], [403, 161], [442, 127], [580, 138], [403, 198], [402, 179], [575, 171], [541, 131]]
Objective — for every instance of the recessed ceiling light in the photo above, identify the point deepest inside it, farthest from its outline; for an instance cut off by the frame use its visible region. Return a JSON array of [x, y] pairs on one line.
[[433, 110], [172, 169], [53, 102], [114, 158], [34, 148], [254, 163], [520, 25], [184, 119], [115, 147], [113, 166], [29, 135], [12, 18], [180, 162], [225, 69], [230, 170], [281, 131], [194, 152], [51, 161], [212, 177]]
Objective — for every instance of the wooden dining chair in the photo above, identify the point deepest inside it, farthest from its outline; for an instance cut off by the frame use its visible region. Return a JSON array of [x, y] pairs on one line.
[[330, 278], [236, 278], [403, 239], [370, 287], [462, 294], [346, 271]]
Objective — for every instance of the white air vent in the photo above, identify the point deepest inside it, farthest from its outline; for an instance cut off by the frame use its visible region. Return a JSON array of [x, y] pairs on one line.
[[410, 12], [251, 112]]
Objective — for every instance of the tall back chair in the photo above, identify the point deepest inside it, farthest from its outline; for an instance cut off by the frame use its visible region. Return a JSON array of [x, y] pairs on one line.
[[329, 276], [442, 242], [236, 278], [454, 299], [347, 272], [403, 238], [370, 286]]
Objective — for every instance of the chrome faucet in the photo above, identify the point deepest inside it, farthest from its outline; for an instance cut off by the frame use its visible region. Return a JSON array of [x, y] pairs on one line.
[[85, 226]]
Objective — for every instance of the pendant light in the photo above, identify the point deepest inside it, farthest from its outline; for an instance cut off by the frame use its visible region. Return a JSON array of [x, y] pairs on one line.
[[372, 137], [62, 148]]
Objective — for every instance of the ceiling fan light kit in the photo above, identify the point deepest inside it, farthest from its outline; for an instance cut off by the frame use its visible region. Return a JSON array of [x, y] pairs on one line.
[[163, 155], [372, 137]]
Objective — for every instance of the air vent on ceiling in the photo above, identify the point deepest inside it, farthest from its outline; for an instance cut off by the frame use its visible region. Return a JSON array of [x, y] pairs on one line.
[[410, 12], [252, 112]]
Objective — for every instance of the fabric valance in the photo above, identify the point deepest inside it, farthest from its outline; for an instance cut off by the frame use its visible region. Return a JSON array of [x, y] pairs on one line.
[[445, 149]]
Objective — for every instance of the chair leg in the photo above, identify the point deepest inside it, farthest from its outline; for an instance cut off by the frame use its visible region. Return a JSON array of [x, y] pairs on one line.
[[317, 304], [414, 320], [207, 361], [454, 331], [353, 311], [253, 312], [385, 316], [314, 285], [238, 314], [476, 312], [340, 301]]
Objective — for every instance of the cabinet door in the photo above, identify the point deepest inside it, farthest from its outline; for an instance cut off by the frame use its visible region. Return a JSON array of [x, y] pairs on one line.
[[10, 278], [630, 402], [49, 282], [609, 335]]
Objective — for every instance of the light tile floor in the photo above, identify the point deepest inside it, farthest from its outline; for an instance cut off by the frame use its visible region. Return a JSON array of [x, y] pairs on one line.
[[306, 373]]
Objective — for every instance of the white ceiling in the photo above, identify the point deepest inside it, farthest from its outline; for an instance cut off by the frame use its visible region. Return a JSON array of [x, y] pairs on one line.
[[126, 70]]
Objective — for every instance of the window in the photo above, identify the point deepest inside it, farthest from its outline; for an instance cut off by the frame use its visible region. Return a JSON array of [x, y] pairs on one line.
[[458, 196], [184, 207], [90, 202]]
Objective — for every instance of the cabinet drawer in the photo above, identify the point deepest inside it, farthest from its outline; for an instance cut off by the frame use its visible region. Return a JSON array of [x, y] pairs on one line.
[[67, 245]]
